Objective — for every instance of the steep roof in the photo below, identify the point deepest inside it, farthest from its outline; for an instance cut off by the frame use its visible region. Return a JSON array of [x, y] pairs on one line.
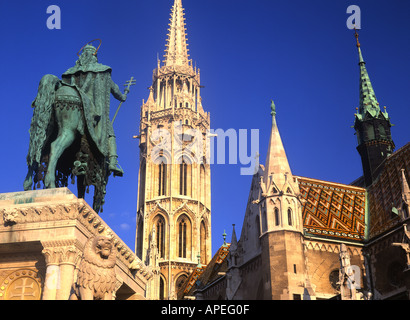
[[276, 164], [387, 192], [368, 101], [204, 275], [333, 210]]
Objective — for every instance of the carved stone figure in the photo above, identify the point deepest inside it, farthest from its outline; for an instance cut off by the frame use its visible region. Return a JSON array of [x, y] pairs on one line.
[[96, 276], [71, 134], [346, 275]]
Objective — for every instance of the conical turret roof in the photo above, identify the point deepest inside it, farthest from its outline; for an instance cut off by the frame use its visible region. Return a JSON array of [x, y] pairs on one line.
[[368, 101], [276, 164]]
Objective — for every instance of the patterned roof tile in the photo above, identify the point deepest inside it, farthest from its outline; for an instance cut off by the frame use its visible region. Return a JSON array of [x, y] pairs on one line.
[[332, 209]]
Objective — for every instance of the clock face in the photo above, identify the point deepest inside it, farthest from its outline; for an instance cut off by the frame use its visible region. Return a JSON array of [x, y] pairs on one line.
[[334, 279]]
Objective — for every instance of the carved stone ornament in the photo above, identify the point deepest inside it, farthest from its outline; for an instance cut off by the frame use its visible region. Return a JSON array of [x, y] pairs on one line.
[[10, 216], [96, 278], [22, 284]]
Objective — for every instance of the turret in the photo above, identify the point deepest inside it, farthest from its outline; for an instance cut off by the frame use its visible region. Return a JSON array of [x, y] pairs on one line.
[[372, 127]]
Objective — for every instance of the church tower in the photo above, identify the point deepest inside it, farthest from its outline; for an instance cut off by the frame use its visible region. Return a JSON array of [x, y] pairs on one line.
[[174, 174], [281, 225], [372, 127]]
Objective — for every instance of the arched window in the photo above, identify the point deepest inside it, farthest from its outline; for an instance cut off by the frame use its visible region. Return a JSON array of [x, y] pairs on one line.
[[140, 238], [264, 220], [183, 178], [181, 280], [161, 289], [289, 216], [202, 234], [277, 217], [202, 184], [184, 236], [160, 234], [162, 179], [141, 187]]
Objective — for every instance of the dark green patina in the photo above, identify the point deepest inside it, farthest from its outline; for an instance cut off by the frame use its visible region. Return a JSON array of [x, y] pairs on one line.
[[71, 135]]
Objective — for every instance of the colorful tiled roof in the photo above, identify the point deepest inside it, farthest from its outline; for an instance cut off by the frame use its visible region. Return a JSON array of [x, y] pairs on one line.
[[333, 210], [203, 275], [386, 192]]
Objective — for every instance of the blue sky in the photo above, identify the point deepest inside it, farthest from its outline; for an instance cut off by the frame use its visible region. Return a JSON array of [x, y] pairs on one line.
[[299, 53]]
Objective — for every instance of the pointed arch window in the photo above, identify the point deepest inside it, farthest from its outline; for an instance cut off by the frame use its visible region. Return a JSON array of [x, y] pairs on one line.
[[183, 178], [181, 282], [142, 183], [290, 216], [162, 179], [184, 236], [202, 233], [264, 221], [140, 238], [202, 183], [161, 289], [160, 234], [276, 216], [182, 239]]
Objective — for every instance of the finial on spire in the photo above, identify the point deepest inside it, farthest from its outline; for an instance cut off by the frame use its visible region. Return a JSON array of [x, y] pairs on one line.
[[273, 108], [356, 36], [224, 236]]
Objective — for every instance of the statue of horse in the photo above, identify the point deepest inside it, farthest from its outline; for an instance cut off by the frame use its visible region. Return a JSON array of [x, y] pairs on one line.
[[60, 144]]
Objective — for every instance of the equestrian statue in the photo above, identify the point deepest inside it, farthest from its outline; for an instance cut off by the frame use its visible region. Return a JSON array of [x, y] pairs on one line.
[[71, 135]]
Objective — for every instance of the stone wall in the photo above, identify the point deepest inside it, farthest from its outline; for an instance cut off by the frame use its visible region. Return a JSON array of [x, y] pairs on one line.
[[42, 239]]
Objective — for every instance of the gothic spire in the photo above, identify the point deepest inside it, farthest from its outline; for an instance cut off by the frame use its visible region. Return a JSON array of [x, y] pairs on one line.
[[368, 101], [276, 164], [176, 52], [372, 126], [234, 241]]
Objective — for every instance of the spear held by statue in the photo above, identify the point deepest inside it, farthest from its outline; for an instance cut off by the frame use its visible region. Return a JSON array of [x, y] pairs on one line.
[[127, 85]]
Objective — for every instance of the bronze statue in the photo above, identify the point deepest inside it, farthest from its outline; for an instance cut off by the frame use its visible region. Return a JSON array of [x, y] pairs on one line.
[[71, 134]]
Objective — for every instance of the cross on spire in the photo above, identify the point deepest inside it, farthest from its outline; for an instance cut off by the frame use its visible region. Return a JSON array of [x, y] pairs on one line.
[[357, 37]]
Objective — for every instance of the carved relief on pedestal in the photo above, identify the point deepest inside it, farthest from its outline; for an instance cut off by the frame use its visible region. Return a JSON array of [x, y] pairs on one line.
[[22, 284]]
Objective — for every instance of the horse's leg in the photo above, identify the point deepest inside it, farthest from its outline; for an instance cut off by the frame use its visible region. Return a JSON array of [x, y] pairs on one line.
[[67, 121], [65, 139]]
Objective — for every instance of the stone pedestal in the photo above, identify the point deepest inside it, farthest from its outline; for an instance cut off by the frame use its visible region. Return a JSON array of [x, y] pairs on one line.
[[42, 238]]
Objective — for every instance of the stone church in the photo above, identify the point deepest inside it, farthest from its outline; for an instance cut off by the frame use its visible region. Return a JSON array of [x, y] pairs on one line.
[[301, 238], [308, 239]]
